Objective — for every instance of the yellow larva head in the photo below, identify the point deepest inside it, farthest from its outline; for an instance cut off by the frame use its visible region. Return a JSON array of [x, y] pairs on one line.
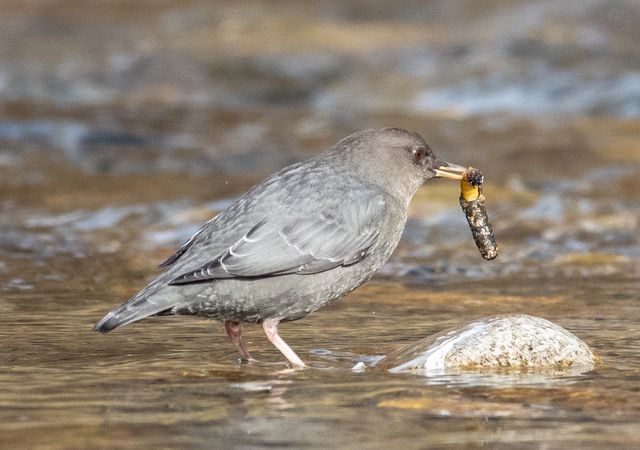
[[470, 184]]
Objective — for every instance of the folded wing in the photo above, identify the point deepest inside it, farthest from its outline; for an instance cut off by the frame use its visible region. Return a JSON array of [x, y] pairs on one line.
[[300, 245]]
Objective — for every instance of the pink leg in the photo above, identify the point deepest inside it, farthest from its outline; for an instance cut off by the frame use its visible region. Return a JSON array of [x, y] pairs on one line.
[[270, 327], [234, 331]]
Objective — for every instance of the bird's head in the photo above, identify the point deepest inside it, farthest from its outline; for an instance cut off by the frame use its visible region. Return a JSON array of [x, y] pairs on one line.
[[397, 159]]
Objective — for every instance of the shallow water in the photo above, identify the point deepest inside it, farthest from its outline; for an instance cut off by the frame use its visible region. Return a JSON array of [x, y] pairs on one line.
[[121, 134], [176, 381]]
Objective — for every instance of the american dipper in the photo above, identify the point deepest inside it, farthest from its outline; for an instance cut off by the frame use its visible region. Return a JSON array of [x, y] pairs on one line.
[[303, 237]]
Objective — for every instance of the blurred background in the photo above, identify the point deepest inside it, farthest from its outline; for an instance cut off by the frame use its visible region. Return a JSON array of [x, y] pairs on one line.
[[125, 125]]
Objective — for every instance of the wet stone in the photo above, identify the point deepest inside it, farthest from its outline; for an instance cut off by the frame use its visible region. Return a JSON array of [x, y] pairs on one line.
[[506, 342]]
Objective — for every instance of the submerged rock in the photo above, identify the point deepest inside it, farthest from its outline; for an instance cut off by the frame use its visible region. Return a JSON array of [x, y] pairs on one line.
[[506, 342]]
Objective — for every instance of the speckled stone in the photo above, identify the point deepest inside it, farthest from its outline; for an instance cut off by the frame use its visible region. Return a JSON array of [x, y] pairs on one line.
[[514, 342]]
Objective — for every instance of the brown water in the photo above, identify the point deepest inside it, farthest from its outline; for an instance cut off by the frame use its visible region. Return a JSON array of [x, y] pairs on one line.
[[123, 126]]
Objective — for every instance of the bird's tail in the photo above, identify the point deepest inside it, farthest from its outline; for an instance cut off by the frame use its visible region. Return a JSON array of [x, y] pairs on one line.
[[116, 318], [144, 304]]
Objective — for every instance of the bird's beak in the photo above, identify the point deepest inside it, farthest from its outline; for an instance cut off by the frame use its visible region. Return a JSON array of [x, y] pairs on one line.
[[448, 170]]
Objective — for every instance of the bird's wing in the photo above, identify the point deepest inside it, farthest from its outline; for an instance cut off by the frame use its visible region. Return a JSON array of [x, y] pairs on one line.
[[301, 245], [186, 246]]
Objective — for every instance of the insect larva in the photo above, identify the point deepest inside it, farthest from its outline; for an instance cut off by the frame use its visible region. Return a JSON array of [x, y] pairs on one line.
[[472, 202]]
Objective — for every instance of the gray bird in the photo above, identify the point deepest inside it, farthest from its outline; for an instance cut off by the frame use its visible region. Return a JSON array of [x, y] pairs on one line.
[[303, 237]]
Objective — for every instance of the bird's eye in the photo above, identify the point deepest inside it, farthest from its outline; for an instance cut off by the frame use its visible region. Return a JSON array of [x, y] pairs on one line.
[[418, 154]]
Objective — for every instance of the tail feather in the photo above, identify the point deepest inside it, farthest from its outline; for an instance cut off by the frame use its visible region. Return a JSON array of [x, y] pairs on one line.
[[150, 301], [107, 323], [117, 318]]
